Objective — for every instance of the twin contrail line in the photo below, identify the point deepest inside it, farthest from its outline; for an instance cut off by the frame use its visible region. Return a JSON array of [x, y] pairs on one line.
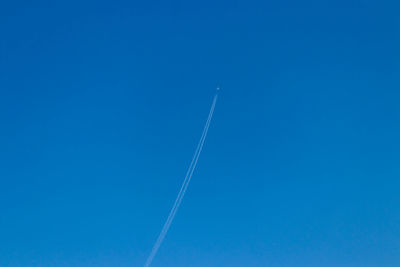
[[184, 186]]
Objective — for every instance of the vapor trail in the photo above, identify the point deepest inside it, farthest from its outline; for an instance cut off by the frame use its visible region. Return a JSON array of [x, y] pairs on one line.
[[184, 186]]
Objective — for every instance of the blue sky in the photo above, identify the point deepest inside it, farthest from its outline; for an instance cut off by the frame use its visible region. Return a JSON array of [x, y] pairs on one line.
[[102, 104]]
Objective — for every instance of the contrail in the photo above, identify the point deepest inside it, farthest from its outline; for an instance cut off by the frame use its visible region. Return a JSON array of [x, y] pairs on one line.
[[184, 186]]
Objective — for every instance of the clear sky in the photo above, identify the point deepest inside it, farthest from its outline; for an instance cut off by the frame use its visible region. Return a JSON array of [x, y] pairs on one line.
[[102, 104]]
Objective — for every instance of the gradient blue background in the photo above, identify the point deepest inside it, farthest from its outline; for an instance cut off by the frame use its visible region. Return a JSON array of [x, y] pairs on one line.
[[103, 102]]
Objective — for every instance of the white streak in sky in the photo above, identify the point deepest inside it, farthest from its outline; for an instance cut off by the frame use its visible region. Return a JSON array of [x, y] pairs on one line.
[[184, 186]]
